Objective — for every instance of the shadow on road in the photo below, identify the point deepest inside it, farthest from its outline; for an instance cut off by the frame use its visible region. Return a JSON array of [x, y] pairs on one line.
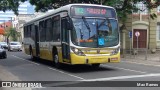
[[74, 68]]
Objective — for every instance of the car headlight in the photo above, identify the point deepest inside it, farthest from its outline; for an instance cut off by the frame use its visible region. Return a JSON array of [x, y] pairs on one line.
[[77, 51], [115, 51]]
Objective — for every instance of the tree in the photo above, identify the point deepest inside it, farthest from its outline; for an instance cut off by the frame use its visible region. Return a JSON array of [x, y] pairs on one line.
[[10, 5], [11, 32], [123, 7]]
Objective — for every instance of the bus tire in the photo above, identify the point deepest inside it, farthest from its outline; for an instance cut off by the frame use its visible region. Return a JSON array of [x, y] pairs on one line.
[[96, 65], [31, 54], [56, 61]]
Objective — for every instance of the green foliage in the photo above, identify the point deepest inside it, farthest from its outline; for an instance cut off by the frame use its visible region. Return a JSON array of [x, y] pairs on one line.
[[123, 7], [10, 5], [11, 32]]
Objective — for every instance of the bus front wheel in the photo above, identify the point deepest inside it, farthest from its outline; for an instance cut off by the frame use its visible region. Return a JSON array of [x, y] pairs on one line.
[[96, 65]]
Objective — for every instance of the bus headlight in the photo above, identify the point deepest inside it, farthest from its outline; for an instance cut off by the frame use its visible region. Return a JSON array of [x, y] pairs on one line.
[[115, 51], [77, 51]]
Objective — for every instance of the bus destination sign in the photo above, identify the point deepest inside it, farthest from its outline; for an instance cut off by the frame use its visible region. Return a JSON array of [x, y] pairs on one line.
[[93, 11]]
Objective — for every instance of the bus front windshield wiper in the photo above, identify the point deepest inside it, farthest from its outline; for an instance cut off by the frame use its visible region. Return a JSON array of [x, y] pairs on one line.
[[79, 30], [87, 25], [108, 25], [102, 23]]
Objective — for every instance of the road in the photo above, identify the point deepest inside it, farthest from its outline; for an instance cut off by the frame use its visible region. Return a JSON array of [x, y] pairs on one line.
[[19, 67]]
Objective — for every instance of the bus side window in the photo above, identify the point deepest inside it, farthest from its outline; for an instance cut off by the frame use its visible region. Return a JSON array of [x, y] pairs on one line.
[[49, 30], [25, 31], [42, 31], [56, 28], [33, 31]]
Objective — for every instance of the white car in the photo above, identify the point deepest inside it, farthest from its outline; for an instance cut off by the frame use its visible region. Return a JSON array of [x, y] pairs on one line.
[[4, 45], [14, 46]]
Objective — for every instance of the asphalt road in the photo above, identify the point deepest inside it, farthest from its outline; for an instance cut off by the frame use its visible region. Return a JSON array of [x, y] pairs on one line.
[[19, 67]]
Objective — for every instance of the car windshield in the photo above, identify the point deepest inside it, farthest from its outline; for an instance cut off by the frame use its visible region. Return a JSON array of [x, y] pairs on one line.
[[14, 43], [89, 32], [3, 43]]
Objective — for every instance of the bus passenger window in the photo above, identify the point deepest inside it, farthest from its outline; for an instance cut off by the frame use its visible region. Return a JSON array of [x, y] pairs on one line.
[[56, 28], [42, 31], [48, 24]]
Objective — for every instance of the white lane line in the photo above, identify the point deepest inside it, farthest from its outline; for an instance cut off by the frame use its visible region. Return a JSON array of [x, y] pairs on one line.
[[140, 63], [51, 68], [67, 73], [123, 77], [25, 60], [157, 65], [124, 69]]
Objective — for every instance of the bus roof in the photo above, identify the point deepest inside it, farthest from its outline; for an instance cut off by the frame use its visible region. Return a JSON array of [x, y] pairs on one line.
[[63, 8]]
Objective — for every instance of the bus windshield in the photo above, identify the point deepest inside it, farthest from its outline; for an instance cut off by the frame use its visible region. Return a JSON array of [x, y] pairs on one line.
[[95, 32]]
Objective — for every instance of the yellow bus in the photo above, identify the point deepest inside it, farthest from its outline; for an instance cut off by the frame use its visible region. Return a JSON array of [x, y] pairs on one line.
[[74, 34]]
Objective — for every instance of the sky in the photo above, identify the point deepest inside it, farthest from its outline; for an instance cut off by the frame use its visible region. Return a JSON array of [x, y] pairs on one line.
[[5, 16]]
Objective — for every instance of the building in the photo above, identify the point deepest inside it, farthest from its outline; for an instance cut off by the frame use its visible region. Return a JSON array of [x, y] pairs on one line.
[[3, 27], [141, 30], [20, 20], [24, 8]]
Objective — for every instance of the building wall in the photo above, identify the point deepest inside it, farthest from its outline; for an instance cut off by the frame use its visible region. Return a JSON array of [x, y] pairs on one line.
[[143, 22], [158, 28], [24, 8]]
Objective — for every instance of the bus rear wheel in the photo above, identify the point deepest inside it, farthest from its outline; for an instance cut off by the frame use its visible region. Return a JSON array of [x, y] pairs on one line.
[[31, 55], [96, 65], [56, 61]]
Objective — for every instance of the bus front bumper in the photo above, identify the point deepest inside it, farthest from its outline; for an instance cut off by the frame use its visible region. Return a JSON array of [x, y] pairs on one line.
[[75, 59]]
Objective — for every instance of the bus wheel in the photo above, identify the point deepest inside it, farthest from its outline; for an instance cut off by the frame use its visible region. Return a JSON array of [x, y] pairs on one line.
[[56, 61], [96, 65], [31, 55]]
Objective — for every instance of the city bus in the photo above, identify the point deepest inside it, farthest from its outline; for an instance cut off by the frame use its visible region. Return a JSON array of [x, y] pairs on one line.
[[74, 34]]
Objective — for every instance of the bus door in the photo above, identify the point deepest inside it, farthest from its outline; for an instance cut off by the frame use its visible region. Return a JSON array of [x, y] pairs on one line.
[[65, 40], [37, 41]]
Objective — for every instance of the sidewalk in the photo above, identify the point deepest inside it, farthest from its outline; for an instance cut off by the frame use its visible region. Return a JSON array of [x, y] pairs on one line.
[[143, 57], [8, 76]]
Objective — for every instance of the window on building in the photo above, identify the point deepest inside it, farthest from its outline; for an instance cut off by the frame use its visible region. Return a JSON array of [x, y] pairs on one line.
[[158, 9], [158, 32], [142, 9]]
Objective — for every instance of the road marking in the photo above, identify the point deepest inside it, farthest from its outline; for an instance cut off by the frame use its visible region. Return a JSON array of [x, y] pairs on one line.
[[51, 68], [25, 60], [66, 73], [125, 69], [123, 77], [140, 63], [157, 65]]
